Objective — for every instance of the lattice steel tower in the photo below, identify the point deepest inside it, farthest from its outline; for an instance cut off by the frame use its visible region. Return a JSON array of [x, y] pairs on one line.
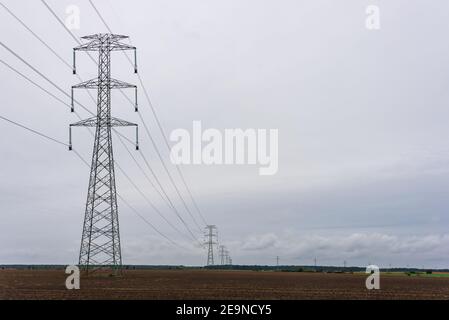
[[100, 242], [212, 237], [222, 254]]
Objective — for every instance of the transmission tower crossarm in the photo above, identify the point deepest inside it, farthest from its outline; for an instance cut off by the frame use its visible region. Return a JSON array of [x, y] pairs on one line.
[[113, 84], [97, 83], [113, 122], [94, 45], [99, 41]]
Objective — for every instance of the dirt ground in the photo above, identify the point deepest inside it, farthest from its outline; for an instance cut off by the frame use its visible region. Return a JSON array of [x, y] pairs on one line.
[[203, 284]]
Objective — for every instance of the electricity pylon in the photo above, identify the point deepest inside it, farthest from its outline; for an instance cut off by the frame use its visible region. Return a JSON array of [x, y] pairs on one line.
[[222, 254], [100, 242], [211, 241]]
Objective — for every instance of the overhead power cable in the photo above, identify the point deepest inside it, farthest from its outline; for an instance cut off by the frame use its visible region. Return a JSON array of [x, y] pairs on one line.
[[159, 155], [157, 190], [37, 85], [85, 162], [33, 131], [41, 74]]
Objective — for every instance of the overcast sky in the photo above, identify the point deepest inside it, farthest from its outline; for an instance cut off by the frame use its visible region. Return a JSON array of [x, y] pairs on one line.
[[362, 118]]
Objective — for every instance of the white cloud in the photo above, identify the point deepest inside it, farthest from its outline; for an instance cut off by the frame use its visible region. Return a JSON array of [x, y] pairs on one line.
[[358, 248]]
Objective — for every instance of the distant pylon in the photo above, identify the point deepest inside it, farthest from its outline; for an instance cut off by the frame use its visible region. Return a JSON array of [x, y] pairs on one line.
[[212, 237], [100, 242], [228, 258], [222, 254]]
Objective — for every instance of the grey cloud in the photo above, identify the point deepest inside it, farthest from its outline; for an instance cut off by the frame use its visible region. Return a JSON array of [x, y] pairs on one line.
[[358, 248], [362, 118], [262, 242]]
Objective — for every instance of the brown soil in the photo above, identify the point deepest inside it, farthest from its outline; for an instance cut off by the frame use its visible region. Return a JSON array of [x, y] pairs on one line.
[[202, 284]]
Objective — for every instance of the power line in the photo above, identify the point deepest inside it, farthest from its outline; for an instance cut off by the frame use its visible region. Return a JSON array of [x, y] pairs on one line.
[[60, 21], [33, 68], [170, 205], [100, 242], [80, 157], [153, 110], [40, 87], [42, 41], [145, 197], [222, 254], [43, 89], [141, 192], [54, 53], [34, 83], [211, 236], [59, 100], [35, 35], [100, 16], [43, 136], [160, 128], [168, 172], [148, 223], [159, 125], [33, 131], [160, 192], [46, 91], [167, 198], [77, 40], [65, 27], [87, 164], [40, 73], [160, 157]]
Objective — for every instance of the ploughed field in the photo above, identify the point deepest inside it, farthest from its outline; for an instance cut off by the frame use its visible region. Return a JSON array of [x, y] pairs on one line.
[[208, 284]]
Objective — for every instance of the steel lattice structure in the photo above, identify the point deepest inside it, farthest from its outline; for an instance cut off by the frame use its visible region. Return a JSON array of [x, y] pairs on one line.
[[100, 242], [212, 237], [222, 254]]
